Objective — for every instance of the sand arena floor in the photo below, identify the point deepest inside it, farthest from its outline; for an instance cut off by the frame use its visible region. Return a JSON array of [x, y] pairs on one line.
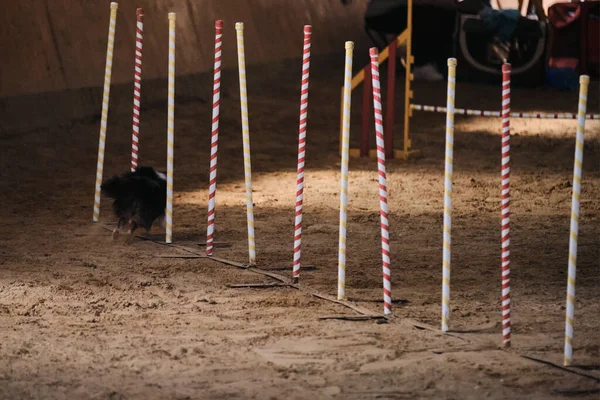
[[83, 316]]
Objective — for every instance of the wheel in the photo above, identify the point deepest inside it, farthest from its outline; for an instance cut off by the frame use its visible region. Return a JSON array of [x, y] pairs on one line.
[[480, 53]]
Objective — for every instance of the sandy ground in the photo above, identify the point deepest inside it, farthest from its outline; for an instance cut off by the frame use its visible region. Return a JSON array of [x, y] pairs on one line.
[[83, 316]]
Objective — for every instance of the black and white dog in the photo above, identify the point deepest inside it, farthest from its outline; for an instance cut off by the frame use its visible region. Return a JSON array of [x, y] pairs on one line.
[[139, 198]]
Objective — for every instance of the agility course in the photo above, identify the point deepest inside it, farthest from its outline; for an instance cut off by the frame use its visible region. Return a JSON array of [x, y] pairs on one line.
[[373, 74], [313, 238]]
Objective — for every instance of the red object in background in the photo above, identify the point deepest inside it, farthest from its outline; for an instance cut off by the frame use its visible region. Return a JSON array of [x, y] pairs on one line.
[[564, 62], [575, 23], [562, 15]]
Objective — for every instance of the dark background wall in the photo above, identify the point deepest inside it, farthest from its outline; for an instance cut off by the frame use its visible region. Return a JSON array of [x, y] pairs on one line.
[[54, 51], [50, 45]]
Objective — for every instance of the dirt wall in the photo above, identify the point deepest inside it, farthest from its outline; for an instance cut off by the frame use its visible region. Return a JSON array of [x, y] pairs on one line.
[[53, 45]]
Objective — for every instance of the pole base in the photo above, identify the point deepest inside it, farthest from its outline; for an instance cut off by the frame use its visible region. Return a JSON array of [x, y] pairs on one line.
[[407, 155], [398, 154], [354, 153]]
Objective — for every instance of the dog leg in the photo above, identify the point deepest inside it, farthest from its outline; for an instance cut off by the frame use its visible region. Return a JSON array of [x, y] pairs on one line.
[[117, 229], [133, 226], [162, 221]]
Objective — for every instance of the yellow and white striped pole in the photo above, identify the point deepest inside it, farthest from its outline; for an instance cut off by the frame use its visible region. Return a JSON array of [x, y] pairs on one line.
[[584, 81], [448, 193], [170, 129], [344, 177], [105, 98], [239, 29]]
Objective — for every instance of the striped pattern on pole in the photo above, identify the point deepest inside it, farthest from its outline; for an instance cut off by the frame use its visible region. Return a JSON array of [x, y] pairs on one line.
[[383, 197], [214, 141], [239, 28], [446, 256], [344, 172], [584, 81], [170, 129], [483, 113], [301, 153], [105, 98], [137, 87], [505, 204]]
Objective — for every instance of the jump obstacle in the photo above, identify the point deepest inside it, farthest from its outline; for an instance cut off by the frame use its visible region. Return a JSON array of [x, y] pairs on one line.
[[364, 76], [371, 77], [407, 152]]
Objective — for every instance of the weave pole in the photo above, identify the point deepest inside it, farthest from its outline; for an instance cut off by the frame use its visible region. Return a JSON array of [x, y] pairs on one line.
[[301, 153], [105, 98], [583, 91], [383, 204], [505, 204], [239, 29], [137, 87], [446, 256], [214, 141], [170, 129], [344, 171]]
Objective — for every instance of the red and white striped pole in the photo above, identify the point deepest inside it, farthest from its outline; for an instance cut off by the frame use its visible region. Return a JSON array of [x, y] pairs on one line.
[[301, 153], [505, 204], [137, 87], [383, 205], [212, 189]]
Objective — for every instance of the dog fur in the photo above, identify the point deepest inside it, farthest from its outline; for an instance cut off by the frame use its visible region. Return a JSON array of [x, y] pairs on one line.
[[139, 198]]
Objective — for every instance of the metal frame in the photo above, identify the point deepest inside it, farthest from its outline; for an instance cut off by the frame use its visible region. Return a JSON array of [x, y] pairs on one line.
[[363, 76]]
